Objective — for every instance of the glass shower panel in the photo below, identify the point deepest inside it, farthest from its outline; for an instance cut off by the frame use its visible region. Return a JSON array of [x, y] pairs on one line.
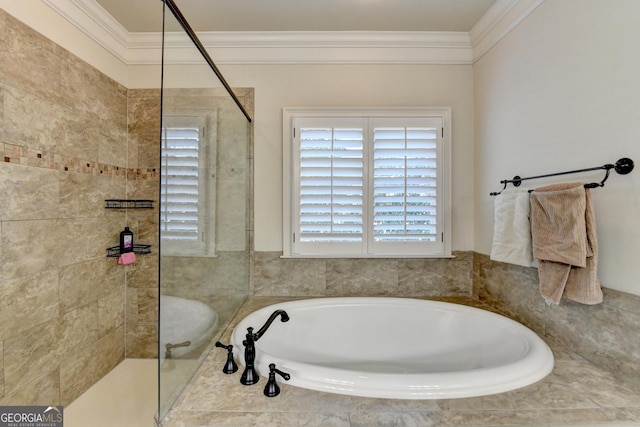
[[205, 210]]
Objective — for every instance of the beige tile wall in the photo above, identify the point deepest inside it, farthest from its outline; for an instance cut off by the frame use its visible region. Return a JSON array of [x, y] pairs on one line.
[[63, 151], [142, 183]]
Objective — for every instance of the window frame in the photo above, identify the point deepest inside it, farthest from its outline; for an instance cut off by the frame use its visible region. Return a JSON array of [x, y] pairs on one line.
[[290, 114]]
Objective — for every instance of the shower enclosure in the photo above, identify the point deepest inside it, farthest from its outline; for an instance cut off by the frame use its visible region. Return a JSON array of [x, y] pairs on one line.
[[205, 212]]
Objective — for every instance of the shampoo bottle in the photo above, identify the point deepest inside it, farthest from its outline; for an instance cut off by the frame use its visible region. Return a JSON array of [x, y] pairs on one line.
[[126, 240]]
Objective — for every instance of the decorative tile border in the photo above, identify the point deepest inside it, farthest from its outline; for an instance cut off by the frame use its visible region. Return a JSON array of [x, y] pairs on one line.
[[25, 156], [143, 173]]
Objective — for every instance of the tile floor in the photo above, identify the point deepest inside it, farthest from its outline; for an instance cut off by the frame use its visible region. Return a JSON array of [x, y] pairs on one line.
[[576, 393]]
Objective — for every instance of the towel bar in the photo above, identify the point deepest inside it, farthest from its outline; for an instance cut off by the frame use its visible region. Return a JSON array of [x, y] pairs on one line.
[[623, 166]]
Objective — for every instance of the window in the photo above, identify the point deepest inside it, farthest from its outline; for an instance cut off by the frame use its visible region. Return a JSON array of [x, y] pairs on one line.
[[366, 183], [187, 188]]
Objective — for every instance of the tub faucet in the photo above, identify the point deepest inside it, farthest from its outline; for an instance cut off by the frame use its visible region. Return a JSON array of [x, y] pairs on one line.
[[261, 331], [250, 376]]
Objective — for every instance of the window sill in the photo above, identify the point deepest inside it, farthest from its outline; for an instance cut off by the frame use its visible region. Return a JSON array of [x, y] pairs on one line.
[[359, 256]]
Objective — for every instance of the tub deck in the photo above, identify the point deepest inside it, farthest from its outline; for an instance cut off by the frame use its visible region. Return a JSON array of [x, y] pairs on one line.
[[575, 393]]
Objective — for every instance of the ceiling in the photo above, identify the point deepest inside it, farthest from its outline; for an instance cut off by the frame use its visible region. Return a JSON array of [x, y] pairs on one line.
[[138, 16]]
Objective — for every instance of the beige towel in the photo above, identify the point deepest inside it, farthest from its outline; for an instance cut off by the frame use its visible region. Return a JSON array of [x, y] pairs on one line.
[[512, 228], [563, 232]]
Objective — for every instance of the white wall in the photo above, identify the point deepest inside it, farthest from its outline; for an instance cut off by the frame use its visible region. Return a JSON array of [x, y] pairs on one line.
[[562, 92]]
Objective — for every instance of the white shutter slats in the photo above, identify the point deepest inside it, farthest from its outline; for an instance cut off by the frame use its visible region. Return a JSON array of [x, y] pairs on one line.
[[331, 181], [404, 183], [180, 183]]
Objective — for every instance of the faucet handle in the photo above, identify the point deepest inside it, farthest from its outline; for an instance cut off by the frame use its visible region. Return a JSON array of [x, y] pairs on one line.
[[230, 366], [272, 389]]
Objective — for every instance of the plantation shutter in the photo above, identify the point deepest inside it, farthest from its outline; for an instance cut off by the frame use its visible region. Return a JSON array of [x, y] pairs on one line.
[[368, 185], [183, 189], [180, 180], [330, 207], [405, 180]]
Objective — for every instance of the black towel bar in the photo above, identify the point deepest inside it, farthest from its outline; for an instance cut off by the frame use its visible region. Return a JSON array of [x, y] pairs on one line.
[[623, 166]]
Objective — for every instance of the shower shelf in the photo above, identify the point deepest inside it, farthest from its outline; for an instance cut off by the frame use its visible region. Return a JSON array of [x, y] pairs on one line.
[[128, 204], [114, 251]]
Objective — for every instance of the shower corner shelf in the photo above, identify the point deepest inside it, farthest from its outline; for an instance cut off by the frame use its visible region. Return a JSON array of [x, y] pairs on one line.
[[128, 204], [114, 251]]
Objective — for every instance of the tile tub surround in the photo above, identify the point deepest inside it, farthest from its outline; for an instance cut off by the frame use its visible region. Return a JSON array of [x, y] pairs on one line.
[[575, 393], [402, 277], [605, 334]]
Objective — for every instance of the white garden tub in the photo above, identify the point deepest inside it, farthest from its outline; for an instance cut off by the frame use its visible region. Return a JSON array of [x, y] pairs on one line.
[[396, 348]]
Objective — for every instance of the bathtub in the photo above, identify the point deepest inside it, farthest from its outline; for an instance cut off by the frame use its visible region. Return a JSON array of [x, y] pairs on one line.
[[184, 320], [397, 348]]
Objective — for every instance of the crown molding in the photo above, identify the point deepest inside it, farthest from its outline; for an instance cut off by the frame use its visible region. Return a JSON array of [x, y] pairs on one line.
[[497, 22], [305, 47], [91, 18], [298, 47]]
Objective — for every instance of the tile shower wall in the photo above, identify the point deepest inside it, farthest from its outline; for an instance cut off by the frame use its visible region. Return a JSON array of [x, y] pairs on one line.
[[63, 151], [143, 125], [605, 334], [276, 276]]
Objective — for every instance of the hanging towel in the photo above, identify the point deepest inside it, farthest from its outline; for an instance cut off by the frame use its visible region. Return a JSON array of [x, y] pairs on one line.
[[563, 232], [512, 228]]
